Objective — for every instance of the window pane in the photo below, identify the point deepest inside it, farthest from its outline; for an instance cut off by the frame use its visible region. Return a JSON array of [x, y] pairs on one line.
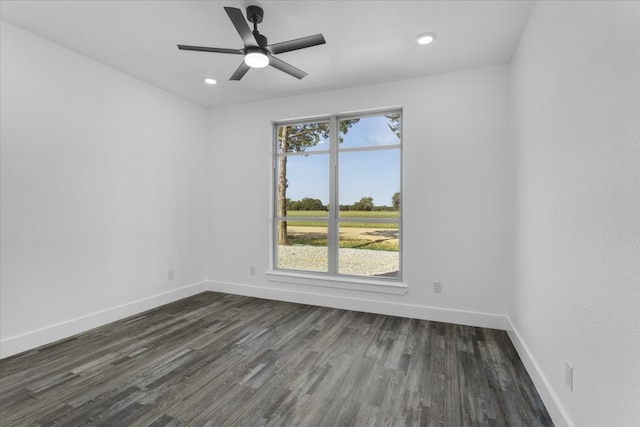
[[370, 182], [369, 250], [303, 185], [303, 137], [370, 131], [305, 246]]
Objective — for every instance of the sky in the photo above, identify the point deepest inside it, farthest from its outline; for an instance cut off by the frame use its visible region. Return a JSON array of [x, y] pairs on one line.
[[361, 174]]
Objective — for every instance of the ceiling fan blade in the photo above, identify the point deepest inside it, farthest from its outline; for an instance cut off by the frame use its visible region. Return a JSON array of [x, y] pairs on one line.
[[238, 21], [210, 49], [240, 72], [296, 44], [287, 68]]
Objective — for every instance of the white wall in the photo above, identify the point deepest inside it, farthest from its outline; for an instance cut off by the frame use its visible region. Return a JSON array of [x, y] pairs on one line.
[[576, 119], [104, 189], [102, 193], [457, 196]]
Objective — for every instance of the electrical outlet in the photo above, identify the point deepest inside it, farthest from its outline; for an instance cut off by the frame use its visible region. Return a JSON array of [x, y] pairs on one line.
[[568, 375], [171, 274], [252, 270], [437, 287]]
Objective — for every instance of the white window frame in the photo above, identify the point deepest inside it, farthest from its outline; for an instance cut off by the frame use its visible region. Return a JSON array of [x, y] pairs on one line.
[[332, 278]]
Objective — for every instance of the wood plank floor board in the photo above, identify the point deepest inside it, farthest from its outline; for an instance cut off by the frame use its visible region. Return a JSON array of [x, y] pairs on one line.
[[225, 360]]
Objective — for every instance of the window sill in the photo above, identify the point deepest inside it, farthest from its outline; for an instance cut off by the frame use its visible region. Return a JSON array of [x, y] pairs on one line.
[[353, 284]]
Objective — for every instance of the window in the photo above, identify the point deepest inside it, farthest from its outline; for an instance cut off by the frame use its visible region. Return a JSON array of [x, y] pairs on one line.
[[337, 189]]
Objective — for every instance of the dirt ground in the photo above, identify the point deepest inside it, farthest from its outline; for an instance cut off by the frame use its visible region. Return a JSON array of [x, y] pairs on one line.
[[372, 234]]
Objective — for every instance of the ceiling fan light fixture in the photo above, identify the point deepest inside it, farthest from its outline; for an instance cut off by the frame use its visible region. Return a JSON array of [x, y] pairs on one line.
[[256, 59], [426, 38], [257, 52]]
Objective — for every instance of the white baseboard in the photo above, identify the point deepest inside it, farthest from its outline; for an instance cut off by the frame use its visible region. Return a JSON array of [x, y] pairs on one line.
[[50, 334], [557, 412], [482, 320], [461, 317]]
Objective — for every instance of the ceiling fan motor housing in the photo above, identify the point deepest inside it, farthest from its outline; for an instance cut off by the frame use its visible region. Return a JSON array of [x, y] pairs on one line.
[[255, 14]]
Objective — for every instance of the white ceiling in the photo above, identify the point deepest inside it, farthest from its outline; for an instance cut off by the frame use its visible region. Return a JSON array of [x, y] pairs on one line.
[[367, 41]]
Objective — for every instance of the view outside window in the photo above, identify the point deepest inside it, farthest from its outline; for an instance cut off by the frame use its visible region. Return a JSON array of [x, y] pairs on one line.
[[337, 196]]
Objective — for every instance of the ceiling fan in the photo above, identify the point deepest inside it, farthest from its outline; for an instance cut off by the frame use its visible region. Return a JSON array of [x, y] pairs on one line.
[[257, 53]]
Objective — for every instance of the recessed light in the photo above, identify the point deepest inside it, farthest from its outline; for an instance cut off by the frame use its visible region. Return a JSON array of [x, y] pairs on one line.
[[425, 38], [210, 81]]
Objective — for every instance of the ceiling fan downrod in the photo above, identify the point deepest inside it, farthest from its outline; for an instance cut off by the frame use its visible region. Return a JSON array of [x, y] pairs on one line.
[[255, 14]]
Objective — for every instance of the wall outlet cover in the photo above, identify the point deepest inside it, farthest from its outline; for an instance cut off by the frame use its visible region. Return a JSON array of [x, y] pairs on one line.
[[437, 287]]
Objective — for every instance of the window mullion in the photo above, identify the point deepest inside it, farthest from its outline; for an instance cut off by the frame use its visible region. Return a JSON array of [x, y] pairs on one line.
[[333, 196]]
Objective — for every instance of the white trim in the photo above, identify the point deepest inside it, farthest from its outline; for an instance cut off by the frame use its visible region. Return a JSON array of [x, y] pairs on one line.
[[326, 281], [558, 414], [333, 220], [333, 242], [358, 303], [49, 334]]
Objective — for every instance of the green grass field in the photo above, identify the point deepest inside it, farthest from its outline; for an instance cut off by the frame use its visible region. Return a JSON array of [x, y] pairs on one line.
[[344, 214]]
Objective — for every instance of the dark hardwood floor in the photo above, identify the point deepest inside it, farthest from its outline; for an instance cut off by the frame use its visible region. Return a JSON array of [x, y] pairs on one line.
[[224, 360]]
